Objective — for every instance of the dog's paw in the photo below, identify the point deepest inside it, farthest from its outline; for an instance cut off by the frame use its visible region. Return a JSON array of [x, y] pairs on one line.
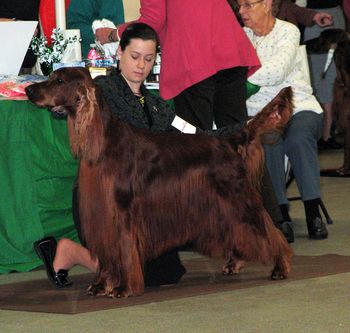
[[277, 274], [119, 293], [233, 267], [96, 289]]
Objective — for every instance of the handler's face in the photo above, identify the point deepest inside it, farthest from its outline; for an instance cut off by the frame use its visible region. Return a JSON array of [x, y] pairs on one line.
[[136, 61]]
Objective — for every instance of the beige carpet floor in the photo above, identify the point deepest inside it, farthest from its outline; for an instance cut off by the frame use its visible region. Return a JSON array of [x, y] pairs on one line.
[[310, 305]]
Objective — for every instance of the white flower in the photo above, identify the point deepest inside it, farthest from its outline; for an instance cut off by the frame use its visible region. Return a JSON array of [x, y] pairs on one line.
[[54, 53]]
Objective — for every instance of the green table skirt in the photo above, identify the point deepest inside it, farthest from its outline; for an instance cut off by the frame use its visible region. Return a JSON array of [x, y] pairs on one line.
[[37, 172]]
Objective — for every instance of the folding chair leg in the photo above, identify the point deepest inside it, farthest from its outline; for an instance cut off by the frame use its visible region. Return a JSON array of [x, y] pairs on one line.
[[290, 178], [325, 212]]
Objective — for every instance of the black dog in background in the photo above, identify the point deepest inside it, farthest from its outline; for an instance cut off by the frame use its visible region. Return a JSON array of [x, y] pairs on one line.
[[327, 40]]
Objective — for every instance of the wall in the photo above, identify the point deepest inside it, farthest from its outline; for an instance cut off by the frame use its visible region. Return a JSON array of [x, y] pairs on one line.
[[131, 9]]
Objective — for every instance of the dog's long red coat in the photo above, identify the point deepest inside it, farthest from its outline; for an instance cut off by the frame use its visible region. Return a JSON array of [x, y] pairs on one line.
[[142, 194]]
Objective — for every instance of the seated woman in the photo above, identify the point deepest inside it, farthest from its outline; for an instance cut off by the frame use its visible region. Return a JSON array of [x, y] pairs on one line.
[[277, 45], [131, 102]]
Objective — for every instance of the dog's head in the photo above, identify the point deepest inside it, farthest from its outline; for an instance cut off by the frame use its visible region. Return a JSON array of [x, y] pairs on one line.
[[63, 91], [72, 92], [327, 40]]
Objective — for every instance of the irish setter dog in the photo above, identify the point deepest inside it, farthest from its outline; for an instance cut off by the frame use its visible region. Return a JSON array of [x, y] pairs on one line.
[[142, 194]]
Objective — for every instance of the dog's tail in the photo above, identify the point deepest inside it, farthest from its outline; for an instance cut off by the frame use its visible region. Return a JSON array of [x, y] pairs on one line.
[[266, 127], [273, 117]]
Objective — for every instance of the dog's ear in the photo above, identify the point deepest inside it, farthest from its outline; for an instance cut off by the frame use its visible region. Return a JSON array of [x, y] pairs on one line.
[[81, 93], [88, 135]]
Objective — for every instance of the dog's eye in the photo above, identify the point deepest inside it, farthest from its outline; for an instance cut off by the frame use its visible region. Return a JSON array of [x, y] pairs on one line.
[[59, 81]]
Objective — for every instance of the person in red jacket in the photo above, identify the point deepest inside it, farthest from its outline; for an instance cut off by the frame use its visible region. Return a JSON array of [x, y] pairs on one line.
[[205, 58]]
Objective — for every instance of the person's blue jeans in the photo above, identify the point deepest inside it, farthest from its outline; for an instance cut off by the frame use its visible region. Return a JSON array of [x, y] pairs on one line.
[[299, 143]]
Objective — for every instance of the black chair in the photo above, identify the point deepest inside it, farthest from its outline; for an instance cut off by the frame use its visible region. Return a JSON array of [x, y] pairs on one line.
[[289, 180]]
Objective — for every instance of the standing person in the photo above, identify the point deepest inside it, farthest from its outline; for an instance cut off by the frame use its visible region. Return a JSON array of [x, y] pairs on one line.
[[277, 45], [205, 58], [323, 85], [81, 14], [289, 11]]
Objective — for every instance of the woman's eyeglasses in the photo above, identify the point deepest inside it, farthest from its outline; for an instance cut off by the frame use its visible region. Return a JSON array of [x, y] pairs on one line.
[[248, 6]]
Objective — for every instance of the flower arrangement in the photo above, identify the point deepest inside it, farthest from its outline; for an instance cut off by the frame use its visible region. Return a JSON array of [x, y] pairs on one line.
[[50, 54]]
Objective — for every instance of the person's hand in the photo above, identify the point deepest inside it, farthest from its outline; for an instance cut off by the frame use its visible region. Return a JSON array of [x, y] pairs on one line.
[[102, 34], [323, 19]]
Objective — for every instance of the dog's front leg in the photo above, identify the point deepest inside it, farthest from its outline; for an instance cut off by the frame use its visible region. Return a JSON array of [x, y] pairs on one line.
[[123, 279], [282, 268], [132, 280], [102, 285]]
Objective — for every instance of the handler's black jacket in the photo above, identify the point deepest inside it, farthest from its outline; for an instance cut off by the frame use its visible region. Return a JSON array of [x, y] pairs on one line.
[[126, 107]]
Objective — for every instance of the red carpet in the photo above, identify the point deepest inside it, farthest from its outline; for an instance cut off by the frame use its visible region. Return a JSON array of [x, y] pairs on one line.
[[203, 277]]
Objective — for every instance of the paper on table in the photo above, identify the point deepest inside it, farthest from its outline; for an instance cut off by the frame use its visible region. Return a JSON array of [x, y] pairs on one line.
[[15, 37]]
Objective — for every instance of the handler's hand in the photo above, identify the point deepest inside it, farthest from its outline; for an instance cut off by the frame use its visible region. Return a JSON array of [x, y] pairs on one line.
[[323, 19], [102, 34]]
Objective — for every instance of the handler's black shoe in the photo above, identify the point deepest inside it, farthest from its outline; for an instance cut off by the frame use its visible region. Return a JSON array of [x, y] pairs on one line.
[[46, 250]]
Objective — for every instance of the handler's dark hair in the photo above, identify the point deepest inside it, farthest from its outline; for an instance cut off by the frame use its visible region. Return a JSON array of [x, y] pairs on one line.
[[138, 30]]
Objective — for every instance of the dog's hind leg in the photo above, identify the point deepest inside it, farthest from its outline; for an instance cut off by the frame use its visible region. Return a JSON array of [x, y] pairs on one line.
[[233, 265], [281, 269], [267, 246], [283, 254]]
